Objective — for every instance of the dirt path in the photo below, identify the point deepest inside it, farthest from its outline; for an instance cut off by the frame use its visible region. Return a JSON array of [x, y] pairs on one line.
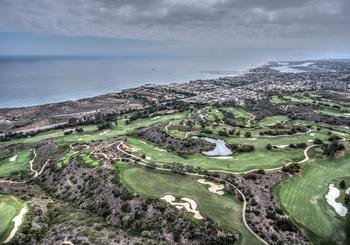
[[36, 173], [31, 164], [249, 121]]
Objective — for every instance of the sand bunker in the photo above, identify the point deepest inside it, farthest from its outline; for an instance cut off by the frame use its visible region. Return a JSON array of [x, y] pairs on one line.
[[215, 188], [251, 138], [135, 149], [155, 118], [312, 134], [12, 159], [158, 149], [143, 142], [105, 132], [222, 158], [331, 197], [17, 222], [281, 146], [348, 191], [189, 204], [148, 158]]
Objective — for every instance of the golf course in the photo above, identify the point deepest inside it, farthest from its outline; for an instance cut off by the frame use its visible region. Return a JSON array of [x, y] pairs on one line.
[[225, 210]]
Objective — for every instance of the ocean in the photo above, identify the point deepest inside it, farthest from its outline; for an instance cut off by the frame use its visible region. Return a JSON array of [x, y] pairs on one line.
[[34, 80]]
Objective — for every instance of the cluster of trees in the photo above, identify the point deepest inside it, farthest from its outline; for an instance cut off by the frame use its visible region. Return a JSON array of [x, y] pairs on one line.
[[152, 110], [298, 145], [292, 168], [231, 132], [333, 146], [280, 132], [241, 147]]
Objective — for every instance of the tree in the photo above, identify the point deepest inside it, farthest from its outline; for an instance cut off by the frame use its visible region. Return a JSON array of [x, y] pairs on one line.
[[269, 146], [247, 134], [342, 184], [318, 141]]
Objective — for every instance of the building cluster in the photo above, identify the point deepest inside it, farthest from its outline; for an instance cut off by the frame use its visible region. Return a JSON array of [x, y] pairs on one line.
[[258, 84]]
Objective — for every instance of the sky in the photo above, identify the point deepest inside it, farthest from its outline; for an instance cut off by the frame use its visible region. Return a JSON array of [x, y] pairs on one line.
[[318, 28]]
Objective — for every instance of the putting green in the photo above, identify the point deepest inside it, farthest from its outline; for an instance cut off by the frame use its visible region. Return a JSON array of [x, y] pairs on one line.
[[225, 210], [17, 163], [302, 197], [9, 208]]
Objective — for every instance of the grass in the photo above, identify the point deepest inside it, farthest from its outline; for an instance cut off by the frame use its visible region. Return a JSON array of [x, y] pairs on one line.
[[9, 208], [88, 160], [302, 197], [64, 161], [21, 163], [268, 121], [90, 132], [261, 158], [225, 210]]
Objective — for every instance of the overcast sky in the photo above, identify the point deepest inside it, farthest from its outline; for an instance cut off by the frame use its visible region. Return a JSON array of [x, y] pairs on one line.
[[170, 27]]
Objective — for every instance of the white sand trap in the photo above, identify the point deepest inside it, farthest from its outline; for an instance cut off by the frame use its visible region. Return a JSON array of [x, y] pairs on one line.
[[12, 159], [312, 134], [251, 138], [148, 158], [222, 158], [80, 139], [281, 146], [17, 222], [105, 132], [155, 118], [348, 191], [135, 149], [215, 188], [331, 197], [143, 142], [310, 141], [158, 149], [189, 204]]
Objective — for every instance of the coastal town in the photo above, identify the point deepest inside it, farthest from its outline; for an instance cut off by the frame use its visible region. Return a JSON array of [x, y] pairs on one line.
[[221, 161]]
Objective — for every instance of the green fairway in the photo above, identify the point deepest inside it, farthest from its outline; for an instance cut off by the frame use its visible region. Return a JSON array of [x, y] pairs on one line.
[[9, 208], [302, 197], [89, 160], [90, 132], [16, 163], [64, 161], [225, 210], [268, 121], [261, 158]]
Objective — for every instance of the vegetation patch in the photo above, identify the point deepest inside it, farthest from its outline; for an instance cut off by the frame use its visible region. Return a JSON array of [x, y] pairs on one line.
[[226, 210], [9, 208], [303, 198], [17, 163]]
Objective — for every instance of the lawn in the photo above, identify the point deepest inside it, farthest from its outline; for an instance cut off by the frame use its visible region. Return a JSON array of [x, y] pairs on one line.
[[9, 208], [225, 210], [64, 161], [90, 132], [302, 197], [20, 163], [268, 121], [88, 160], [259, 159]]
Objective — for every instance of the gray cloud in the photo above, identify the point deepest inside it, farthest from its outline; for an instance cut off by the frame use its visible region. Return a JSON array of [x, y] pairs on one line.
[[199, 22]]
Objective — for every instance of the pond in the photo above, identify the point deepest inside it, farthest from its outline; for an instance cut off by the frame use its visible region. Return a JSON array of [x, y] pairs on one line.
[[220, 147]]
